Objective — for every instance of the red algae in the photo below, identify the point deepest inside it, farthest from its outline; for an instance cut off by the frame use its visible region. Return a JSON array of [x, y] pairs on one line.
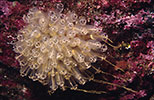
[[129, 26]]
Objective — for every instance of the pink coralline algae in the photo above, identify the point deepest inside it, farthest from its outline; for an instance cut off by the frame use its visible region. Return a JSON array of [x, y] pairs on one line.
[[127, 69], [10, 87], [5, 7], [141, 93]]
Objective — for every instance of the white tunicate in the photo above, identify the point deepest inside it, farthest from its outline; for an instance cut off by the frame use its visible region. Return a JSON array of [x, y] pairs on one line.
[[55, 40], [81, 58], [52, 54], [93, 59], [37, 44], [95, 45], [67, 61], [73, 17], [60, 55], [43, 22], [62, 22], [53, 18], [103, 48], [29, 16], [62, 16], [61, 32], [35, 33], [64, 40], [55, 47], [40, 60], [59, 7], [71, 34], [82, 21], [70, 25], [51, 13], [32, 10], [77, 40], [104, 36], [45, 39], [43, 48], [84, 32], [53, 29]]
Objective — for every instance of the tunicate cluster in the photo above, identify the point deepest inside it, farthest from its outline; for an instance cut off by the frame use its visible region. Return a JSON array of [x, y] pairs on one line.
[[57, 49]]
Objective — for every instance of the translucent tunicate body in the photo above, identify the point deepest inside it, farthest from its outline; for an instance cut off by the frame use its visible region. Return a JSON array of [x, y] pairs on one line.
[[56, 48]]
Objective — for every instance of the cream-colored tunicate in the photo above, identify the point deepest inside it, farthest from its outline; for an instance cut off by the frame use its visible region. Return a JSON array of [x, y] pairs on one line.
[[56, 48]]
